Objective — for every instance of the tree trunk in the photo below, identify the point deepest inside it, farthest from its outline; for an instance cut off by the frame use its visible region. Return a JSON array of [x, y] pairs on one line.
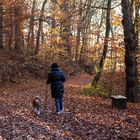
[[78, 38], [101, 23], [11, 28], [137, 27], [40, 27], [130, 52], [1, 24], [30, 38], [18, 34], [65, 29], [85, 22], [102, 61], [82, 56]]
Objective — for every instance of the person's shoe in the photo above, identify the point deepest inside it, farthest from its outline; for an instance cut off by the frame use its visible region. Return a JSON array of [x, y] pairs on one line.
[[58, 113], [37, 112], [62, 111]]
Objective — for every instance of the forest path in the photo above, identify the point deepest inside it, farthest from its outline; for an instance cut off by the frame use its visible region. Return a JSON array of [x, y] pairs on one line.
[[84, 118]]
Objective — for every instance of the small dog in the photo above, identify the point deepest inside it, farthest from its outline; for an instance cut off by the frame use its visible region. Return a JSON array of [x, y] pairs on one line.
[[37, 105]]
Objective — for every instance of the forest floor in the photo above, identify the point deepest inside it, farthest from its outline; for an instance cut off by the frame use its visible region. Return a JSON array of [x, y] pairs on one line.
[[84, 117]]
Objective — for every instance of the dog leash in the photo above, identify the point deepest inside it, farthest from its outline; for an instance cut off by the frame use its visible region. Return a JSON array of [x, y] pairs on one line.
[[46, 105]]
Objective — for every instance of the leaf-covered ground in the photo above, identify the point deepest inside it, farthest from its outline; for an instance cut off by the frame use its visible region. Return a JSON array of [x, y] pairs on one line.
[[84, 118]]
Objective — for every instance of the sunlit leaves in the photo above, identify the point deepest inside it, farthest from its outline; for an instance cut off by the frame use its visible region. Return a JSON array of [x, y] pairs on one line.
[[116, 20]]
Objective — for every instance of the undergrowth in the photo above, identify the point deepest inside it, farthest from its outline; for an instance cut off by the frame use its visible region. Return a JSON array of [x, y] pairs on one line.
[[88, 90]]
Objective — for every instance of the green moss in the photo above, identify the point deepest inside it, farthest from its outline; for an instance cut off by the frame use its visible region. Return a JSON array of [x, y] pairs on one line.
[[88, 90]]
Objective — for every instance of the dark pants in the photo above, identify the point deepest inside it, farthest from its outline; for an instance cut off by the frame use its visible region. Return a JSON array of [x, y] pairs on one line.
[[59, 104]]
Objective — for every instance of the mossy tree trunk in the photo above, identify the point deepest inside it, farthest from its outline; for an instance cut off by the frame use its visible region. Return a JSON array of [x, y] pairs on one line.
[[103, 57]]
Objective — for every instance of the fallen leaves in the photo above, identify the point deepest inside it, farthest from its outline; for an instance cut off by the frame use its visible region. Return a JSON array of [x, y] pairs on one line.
[[84, 118]]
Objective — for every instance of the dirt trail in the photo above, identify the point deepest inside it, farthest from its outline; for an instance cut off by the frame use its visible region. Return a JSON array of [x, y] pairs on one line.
[[84, 118]]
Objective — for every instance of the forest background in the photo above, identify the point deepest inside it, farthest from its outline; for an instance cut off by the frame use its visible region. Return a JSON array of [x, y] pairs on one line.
[[93, 36], [97, 45]]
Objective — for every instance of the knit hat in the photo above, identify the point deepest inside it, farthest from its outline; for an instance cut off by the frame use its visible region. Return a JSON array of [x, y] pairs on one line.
[[54, 65]]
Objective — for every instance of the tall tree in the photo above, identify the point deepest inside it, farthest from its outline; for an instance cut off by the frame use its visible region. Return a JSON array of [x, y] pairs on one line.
[[103, 57], [101, 22], [1, 24], [40, 27], [78, 36], [18, 11], [86, 18], [136, 17], [66, 25], [10, 28], [30, 39], [130, 52]]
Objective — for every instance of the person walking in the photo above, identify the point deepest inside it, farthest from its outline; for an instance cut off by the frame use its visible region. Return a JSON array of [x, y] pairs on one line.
[[56, 78]]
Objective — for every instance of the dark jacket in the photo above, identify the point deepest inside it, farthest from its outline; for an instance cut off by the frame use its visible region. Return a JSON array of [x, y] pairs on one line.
[[56, 78]]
